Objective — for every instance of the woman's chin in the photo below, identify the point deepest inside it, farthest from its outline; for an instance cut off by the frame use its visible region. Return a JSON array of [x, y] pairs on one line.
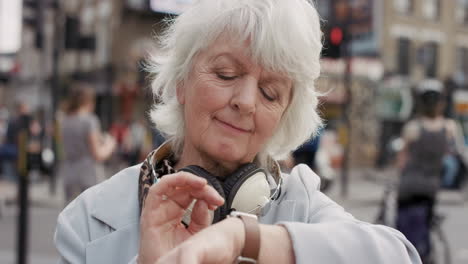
[[228, 154]]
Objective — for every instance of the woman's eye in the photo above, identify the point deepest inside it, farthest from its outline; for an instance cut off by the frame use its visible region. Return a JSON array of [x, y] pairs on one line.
[[269, 97], [226, 77]]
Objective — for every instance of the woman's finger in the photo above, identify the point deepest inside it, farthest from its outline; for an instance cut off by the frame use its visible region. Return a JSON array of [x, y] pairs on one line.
[[179, 179], [173, 207], [158, 192], [207, 193], [200, 217], [168, 200], [183, 196]]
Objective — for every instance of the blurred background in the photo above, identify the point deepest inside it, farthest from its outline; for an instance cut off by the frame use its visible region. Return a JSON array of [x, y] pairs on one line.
[[375, 52]]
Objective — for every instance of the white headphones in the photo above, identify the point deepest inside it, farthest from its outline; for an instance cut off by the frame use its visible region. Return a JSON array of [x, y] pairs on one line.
[[246, 190]]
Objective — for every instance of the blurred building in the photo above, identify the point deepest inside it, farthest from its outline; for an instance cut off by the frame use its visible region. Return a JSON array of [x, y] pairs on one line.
[[61, 41], [351, 29], [102, 42], [413, 38], [113, 40], [426, 38], [407, 39], [105, 41]]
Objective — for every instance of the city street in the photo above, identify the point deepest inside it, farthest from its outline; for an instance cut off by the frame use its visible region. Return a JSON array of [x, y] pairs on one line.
[[363, 204], [376, 89]]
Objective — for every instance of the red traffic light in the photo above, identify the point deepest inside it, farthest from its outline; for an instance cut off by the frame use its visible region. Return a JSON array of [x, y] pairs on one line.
[[336, 36]]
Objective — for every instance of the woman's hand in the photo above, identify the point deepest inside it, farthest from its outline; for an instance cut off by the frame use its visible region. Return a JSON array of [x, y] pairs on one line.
[[219, 243], [160, 227]]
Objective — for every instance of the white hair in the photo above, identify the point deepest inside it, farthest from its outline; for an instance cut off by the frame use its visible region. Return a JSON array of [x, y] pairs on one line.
[[284, 36]]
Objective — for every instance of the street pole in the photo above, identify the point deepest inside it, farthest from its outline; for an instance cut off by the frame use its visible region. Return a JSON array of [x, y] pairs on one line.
[[23, 199], [23, 160], [57, 47], [347, 120], [347, 80]]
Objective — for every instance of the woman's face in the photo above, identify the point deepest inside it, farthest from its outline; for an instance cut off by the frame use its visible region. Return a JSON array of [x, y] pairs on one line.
[[232, 106]]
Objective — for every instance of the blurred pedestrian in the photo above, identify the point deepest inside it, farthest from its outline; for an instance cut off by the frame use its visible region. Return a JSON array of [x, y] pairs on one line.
[[84, 144], [16, 125], [119, 130], [306, 152], [3, 129], [428, 139], [450, 87], [134, 141], [34, 145], [4, 114], [313, 155]]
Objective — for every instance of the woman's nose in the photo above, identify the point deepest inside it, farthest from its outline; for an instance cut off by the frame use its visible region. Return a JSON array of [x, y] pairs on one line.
[[245, 96]]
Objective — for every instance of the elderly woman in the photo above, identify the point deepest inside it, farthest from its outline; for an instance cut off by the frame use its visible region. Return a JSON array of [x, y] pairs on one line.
[[235, 82]]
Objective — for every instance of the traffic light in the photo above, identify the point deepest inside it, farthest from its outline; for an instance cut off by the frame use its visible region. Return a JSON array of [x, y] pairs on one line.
[[334, 39]]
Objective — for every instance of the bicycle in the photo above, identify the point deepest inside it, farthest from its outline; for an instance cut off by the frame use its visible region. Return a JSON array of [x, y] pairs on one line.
[[440, 248]]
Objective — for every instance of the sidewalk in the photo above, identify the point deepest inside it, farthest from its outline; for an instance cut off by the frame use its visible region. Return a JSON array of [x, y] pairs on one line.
[[8, 257], [39, 195], [366, 186], [39, 192]]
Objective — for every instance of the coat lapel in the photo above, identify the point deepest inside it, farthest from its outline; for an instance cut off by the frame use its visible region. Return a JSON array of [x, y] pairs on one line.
[[116, 202], [119, 246], [115, 234]]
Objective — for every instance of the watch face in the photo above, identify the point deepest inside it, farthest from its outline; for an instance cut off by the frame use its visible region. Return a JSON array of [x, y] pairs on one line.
[[237, 214]]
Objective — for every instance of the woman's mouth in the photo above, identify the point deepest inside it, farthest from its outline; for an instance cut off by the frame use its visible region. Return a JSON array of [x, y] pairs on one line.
[[233, 127]]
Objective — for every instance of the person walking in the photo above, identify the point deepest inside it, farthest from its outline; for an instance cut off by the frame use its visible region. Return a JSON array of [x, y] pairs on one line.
[[428, 139], [16, 126], [84, 145]]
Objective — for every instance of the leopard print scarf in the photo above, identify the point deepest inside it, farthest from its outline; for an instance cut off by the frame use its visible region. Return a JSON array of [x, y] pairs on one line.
[[151, 170]]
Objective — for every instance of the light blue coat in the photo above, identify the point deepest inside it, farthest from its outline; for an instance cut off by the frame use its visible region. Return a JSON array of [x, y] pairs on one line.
[[102, 225]]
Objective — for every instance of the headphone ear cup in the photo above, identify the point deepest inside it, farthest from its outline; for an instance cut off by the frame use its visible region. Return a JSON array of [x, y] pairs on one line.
[[235, 180], [222, 211]]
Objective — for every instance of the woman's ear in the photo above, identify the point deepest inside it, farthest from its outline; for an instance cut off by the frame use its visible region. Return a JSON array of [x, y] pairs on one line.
[[180, 91]]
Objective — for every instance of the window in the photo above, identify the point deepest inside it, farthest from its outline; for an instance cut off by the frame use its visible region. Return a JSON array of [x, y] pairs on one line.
[[461, 12], [431, 9], [404, 46], [431, 51], [403, 6], [462, 60]]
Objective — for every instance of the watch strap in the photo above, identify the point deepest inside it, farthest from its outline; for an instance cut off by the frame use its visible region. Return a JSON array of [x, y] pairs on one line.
[[251, 248]]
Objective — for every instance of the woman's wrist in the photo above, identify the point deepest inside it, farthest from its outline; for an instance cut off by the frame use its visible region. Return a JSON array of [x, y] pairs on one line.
[[276, 245]]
